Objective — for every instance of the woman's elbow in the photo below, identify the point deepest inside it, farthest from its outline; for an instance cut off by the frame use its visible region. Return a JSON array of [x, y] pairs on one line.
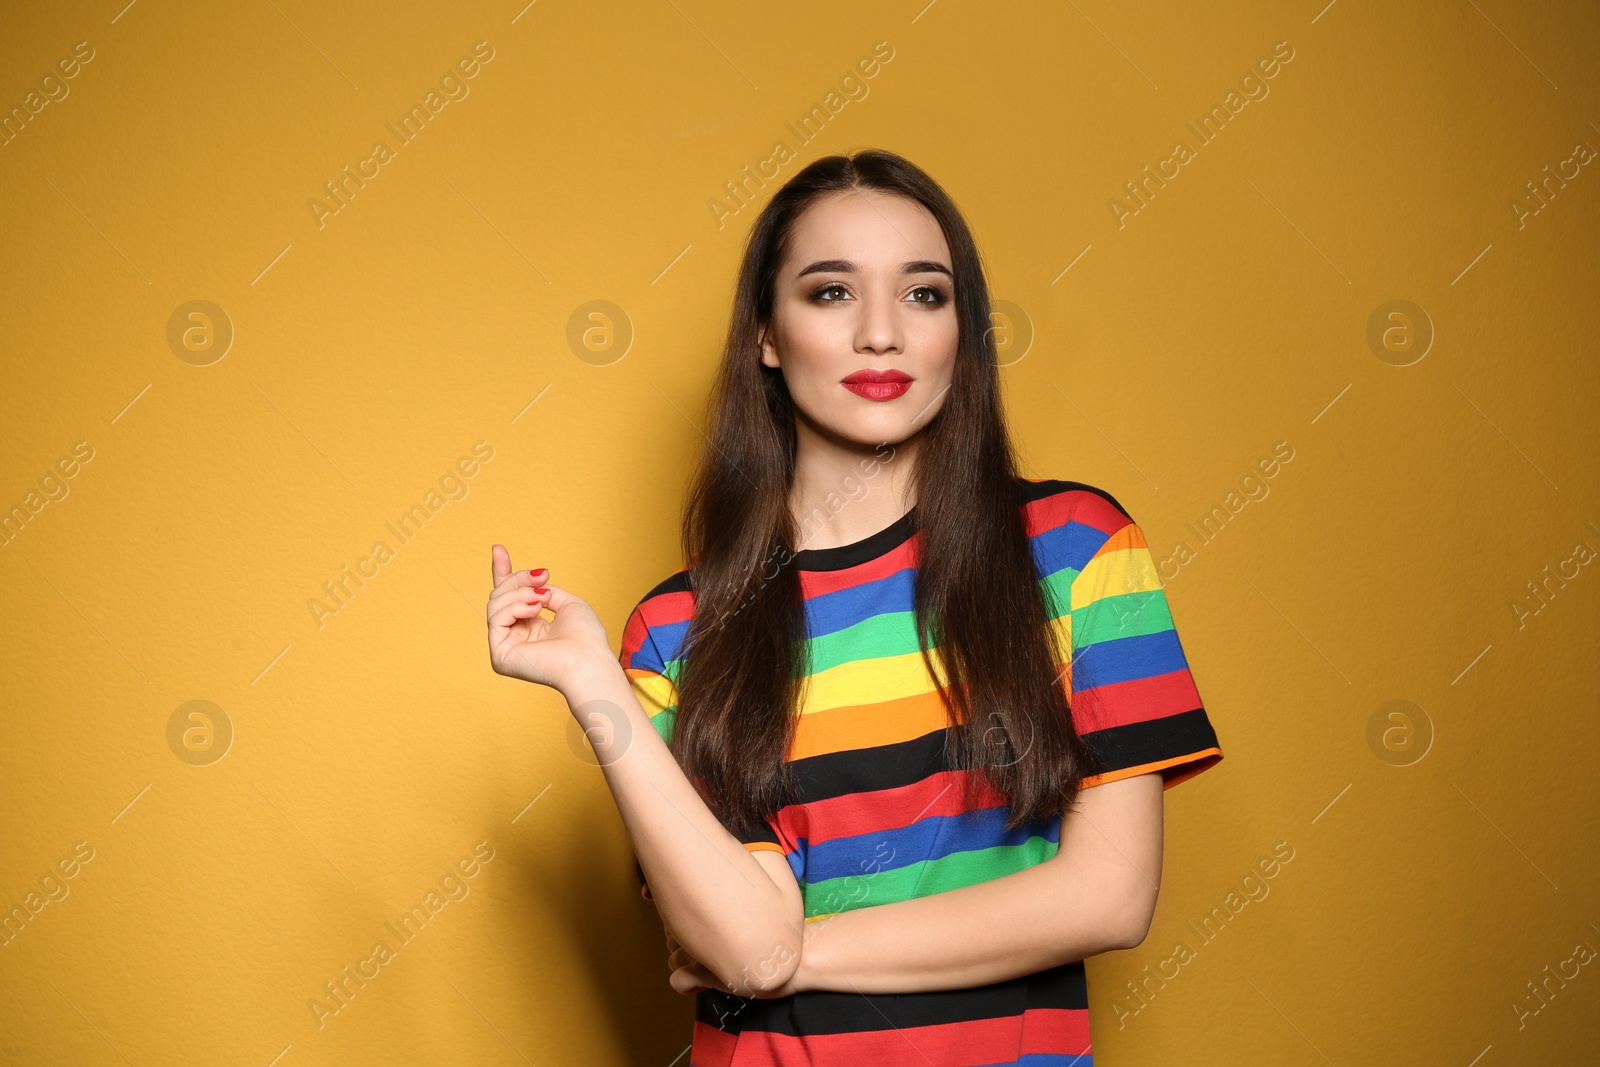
[[1132, 920], [758, 965], [1134, 928]]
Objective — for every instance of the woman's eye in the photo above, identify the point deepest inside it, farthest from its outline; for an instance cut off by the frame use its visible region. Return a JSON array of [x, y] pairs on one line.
[[922, 294]]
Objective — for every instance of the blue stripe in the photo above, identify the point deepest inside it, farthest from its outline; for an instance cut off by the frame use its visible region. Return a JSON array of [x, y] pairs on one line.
[[646, 658], [828, 613], [1048, 1059], [926, 839], [1127, 659], [669, 638], [1072, 544]]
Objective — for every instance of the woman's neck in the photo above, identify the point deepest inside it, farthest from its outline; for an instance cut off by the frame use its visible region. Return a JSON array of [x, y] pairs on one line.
[[844, 492]]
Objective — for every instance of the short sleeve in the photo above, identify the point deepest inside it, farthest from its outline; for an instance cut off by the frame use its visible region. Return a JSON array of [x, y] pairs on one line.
[[651, 676], [652, 640], [1134, 701]]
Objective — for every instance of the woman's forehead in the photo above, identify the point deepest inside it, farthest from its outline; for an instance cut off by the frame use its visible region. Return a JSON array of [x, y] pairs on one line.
[[874, 231]]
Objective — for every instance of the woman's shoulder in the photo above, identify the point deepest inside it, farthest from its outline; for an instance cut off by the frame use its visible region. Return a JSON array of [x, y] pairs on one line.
[[670, 600], [1048, 503], [659, 618]]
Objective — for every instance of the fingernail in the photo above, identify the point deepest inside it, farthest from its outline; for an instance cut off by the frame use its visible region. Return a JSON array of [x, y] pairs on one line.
[[542, 589], [541, 570]]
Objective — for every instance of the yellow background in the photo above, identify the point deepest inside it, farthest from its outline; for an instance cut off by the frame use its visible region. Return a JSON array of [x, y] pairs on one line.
[[375, 749]]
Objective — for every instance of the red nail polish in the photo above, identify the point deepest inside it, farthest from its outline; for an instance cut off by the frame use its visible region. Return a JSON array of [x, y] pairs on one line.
[[542, 589]]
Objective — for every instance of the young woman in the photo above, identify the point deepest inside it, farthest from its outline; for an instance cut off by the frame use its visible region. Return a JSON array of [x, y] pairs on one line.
[[891, 749]]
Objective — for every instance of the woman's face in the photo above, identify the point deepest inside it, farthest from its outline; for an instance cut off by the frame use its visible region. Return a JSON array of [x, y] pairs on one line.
[[867, 287]]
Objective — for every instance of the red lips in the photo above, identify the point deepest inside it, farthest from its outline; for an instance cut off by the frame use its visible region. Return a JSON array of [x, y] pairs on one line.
[[876, 376], [877, 384]]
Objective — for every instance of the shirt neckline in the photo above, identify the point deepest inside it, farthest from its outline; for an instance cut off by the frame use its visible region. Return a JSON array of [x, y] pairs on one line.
[[858, 552]]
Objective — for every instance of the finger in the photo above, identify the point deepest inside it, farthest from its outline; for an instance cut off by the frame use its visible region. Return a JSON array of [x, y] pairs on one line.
[[521, 580], [500, 568], [702, 974], [514, 611], [560, 597], [522, 586], [517, 595], [685, 981]]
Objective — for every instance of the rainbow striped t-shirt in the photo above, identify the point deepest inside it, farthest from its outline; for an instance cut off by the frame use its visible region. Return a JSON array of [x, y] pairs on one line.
[[874, 793]]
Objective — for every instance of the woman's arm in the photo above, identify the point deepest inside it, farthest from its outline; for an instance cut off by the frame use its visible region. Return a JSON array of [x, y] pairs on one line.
[[1097, 893], [720, 901]]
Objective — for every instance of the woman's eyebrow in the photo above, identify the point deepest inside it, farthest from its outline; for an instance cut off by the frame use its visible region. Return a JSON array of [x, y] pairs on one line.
[[845, 266]]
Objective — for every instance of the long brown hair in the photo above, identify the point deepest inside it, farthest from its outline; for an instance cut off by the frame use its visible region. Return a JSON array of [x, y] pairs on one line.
[[978, 596]]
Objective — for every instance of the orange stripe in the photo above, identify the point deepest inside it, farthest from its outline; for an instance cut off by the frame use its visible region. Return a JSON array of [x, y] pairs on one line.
[[853, 726], [644, 674], [1129, 536], [1146, 768]]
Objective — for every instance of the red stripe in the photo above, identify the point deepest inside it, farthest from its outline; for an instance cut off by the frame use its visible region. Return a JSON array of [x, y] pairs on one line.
[[1072, 505], [988, 1041], [660, 610], [906, 554], [664, 609], [875, 811], [1136, 700], [633, 634]]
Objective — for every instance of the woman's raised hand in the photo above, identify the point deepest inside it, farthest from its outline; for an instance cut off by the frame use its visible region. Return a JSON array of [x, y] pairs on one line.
[[523, 643]]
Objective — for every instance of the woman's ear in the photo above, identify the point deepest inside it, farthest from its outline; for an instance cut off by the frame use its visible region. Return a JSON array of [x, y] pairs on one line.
[[769, 353]]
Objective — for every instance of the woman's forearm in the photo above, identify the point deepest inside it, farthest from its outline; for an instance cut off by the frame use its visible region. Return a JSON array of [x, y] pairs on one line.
[[713, 894], [993, 931], [1097, 893]]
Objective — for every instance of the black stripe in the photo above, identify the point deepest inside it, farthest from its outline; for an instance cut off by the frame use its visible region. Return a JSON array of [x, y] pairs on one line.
[[835, 774], [858, 770], [857, 552], [676, 583], [746, 835], [1155, 739], [1065, 986]]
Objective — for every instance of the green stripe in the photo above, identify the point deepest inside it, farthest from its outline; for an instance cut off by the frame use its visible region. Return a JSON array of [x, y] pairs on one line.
[[893, 633], [924, 878], [1058, 592], [1124, 615]]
